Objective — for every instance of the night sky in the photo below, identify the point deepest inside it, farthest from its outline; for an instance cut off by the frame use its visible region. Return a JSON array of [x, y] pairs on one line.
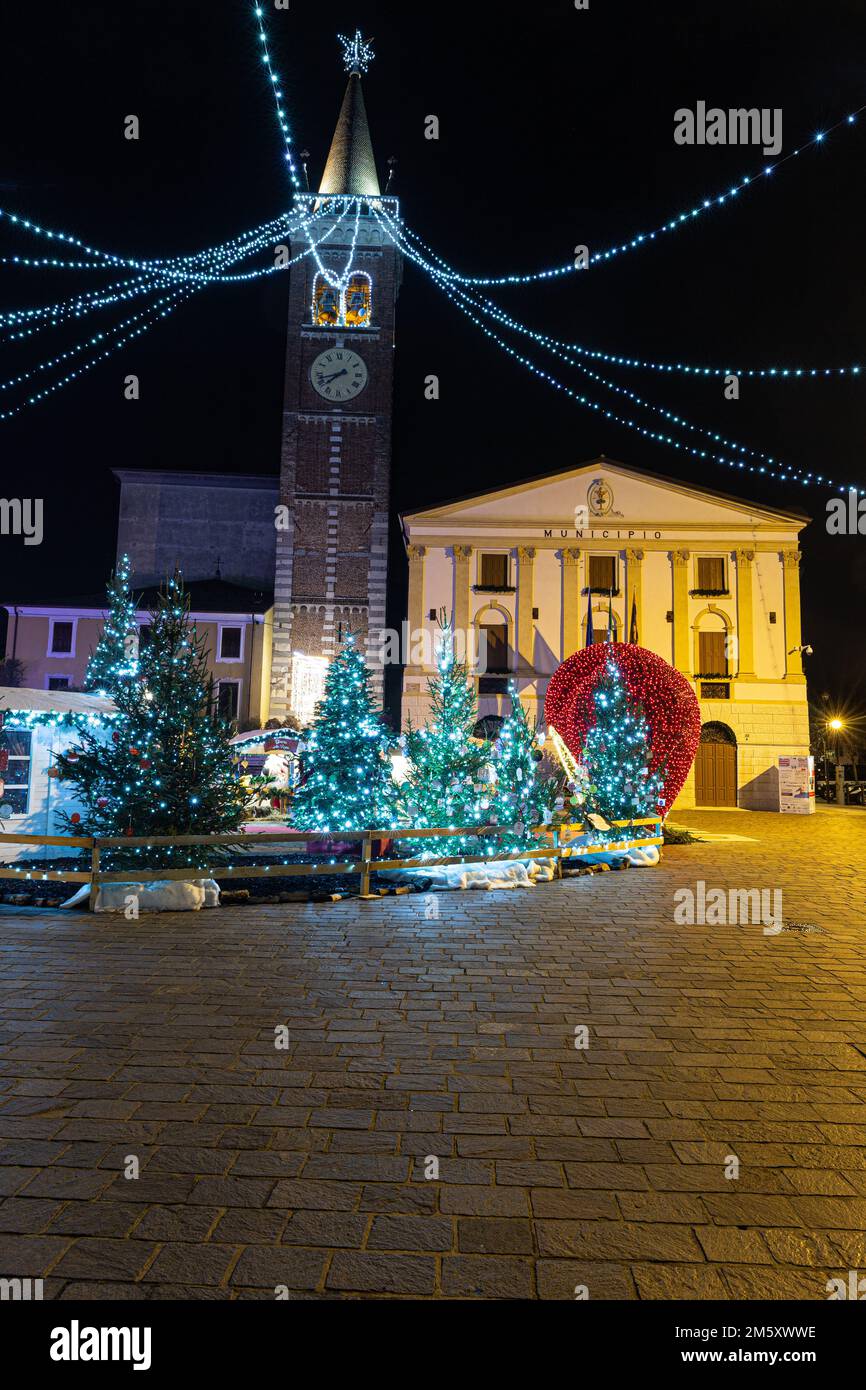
[[556, 128]]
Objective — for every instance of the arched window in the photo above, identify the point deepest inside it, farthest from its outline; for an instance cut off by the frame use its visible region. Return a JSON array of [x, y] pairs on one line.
[[358, 301], [713, 647], [326, 303], [716, 732]]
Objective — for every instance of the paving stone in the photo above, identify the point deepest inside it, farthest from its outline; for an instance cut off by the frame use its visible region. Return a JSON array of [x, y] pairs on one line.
[[419, 1233], [269, 1266], [494, 1236], [20, 1216], [483, 1201], [179, 1263], [106, 1259], [570, 1279], [394, 1274], [676, 1282], [483, 1276], [330, 1229]]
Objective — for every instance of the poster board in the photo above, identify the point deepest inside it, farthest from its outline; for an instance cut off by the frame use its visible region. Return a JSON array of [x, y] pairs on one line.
[[797, 785]]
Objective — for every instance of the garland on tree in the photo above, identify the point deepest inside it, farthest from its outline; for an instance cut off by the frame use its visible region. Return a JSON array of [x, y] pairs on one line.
[[523, 797], [166, 769], [115, 658], [617, 753], [449, 782], [349, 785]]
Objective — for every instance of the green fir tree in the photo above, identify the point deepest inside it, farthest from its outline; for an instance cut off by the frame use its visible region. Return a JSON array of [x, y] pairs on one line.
[[349, 784], [616, 753], [115, 658], [523, 796], [445, 784], [166, 768]]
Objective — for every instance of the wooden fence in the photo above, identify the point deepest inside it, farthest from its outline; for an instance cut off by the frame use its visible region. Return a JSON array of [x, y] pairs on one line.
[[557, 847]]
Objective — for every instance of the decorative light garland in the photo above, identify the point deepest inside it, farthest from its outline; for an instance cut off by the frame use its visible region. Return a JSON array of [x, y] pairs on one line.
[[775, 468], [644, 238], [769, 373]]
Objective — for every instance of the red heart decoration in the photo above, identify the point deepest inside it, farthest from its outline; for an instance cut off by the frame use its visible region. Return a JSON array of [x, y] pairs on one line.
[[669, 705]]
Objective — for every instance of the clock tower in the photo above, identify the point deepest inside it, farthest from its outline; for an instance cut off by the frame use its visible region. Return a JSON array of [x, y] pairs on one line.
[[332, 524]]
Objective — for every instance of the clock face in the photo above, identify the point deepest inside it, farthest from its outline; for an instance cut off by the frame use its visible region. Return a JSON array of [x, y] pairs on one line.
[[339, 374]]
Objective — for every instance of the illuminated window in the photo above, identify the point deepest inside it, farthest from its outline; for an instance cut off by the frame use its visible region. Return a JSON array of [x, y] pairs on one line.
[[308, 685], [358, 301], [349, 308], [15, 781], [326, 303]]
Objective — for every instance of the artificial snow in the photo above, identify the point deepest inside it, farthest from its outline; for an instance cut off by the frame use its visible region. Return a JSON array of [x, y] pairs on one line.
[[503, 873], [162, 895]]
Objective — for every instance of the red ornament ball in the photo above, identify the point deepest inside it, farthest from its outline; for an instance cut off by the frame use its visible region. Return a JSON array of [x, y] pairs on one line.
[[102, 801], [75, 817], [133, 752], [669, 705], [145, 762], [115, 737]]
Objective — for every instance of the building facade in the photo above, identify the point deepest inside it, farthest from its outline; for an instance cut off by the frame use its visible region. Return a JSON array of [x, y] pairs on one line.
[[52, 643], [709, 582]]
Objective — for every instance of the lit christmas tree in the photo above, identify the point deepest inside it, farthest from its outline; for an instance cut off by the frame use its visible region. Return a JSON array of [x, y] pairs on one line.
[[447, 783], [115, 658], [349, 785], [166, 769], [523, 797], [616, 753]]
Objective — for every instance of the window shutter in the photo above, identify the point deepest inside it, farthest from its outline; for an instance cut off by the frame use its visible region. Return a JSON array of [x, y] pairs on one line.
[[494, 571], [711, 572], [602, 572], [711, 654]]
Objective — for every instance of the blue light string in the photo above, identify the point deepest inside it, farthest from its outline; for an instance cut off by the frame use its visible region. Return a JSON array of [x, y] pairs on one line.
[[491, 310], [787, 473], [643, 239]]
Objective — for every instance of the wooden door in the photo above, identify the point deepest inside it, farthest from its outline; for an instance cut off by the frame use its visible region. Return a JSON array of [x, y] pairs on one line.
[[716, 775]]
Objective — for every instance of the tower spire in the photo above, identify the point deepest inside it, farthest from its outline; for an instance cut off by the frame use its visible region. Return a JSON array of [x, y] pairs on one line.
[[351, 164]]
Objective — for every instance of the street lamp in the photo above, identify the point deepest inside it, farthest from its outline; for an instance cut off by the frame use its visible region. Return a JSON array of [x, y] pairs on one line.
[[837, 725]]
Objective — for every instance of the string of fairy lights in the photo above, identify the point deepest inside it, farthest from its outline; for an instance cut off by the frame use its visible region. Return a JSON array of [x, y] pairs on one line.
[[169, 282], [472, 306], [490, 310]]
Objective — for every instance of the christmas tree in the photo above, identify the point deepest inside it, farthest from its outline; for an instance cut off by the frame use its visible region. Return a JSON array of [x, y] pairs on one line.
[[166, 769], [448, 781], [115, 657], [523, 797], [616, 753], [349, 785]]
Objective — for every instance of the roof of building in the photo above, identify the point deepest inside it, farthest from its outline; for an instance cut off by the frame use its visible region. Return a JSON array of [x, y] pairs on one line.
[[786, 513], [351, 165], [14, 697], [177, 477], [205, 596]]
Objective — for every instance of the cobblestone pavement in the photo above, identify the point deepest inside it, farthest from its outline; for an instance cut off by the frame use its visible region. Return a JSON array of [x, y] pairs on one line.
[[413, 1039]]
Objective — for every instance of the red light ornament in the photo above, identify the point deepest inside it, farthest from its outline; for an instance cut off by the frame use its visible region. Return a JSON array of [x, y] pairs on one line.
[[669, 705]]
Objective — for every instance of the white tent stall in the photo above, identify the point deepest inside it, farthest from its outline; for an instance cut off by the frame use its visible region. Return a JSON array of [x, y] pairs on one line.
[[36, 725]]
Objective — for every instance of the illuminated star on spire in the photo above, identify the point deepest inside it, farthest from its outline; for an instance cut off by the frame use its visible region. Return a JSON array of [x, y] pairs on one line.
[[357, 52]]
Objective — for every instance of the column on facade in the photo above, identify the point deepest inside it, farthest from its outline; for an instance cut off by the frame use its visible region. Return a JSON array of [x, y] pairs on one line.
[[570, 601], [793, 633], [415, 605], [682, 652], [634, 593], [460, 618], [523, 646], [745, 615]]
